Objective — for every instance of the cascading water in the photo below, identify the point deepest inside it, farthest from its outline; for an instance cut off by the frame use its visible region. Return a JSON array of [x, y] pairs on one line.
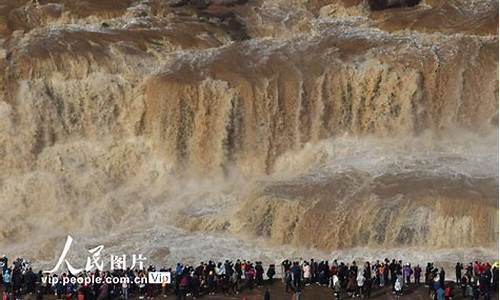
[[322, 126]]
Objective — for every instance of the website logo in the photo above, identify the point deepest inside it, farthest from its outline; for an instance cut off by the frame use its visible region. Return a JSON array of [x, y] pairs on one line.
[[159, 277], [95, 260]]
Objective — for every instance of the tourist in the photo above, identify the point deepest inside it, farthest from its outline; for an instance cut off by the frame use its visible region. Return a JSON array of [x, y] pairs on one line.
[[285, 266], [335, 286], [306, 270], [494, 276], [398, 287], [351, 284], [361, 282], [314, 271], [235, 281], [6, 280], [380, 275], [407, 272], [125, 287], [417, 271], [386, 264], [441, 278], [296, 275], [458, 272], [259, 274], [271, 272]]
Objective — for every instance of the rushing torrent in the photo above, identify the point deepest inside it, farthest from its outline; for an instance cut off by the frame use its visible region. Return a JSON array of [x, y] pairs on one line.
[[266, 128]]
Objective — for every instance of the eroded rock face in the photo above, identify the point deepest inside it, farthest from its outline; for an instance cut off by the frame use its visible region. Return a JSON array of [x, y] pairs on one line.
[[280, 119]]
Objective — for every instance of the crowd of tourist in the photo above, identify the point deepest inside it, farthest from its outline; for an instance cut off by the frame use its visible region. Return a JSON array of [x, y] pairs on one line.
[[474, 281]]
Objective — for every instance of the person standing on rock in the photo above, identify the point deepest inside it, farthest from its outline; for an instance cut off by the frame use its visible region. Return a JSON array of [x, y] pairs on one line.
[[259, 273], [351, 285], [270, 273], [353, 269], [392, 271], [428, 274], [386, 264], [361, 282], [441, 278], [314, 271], [343, 275], [367, 271], [381, 270], [125, 288], [306, 269], [6, 280], [458, 272], [494, 275], [285, 266], [407, 272], [235, 280], [417, 272], [297, 275], [398, 287]]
